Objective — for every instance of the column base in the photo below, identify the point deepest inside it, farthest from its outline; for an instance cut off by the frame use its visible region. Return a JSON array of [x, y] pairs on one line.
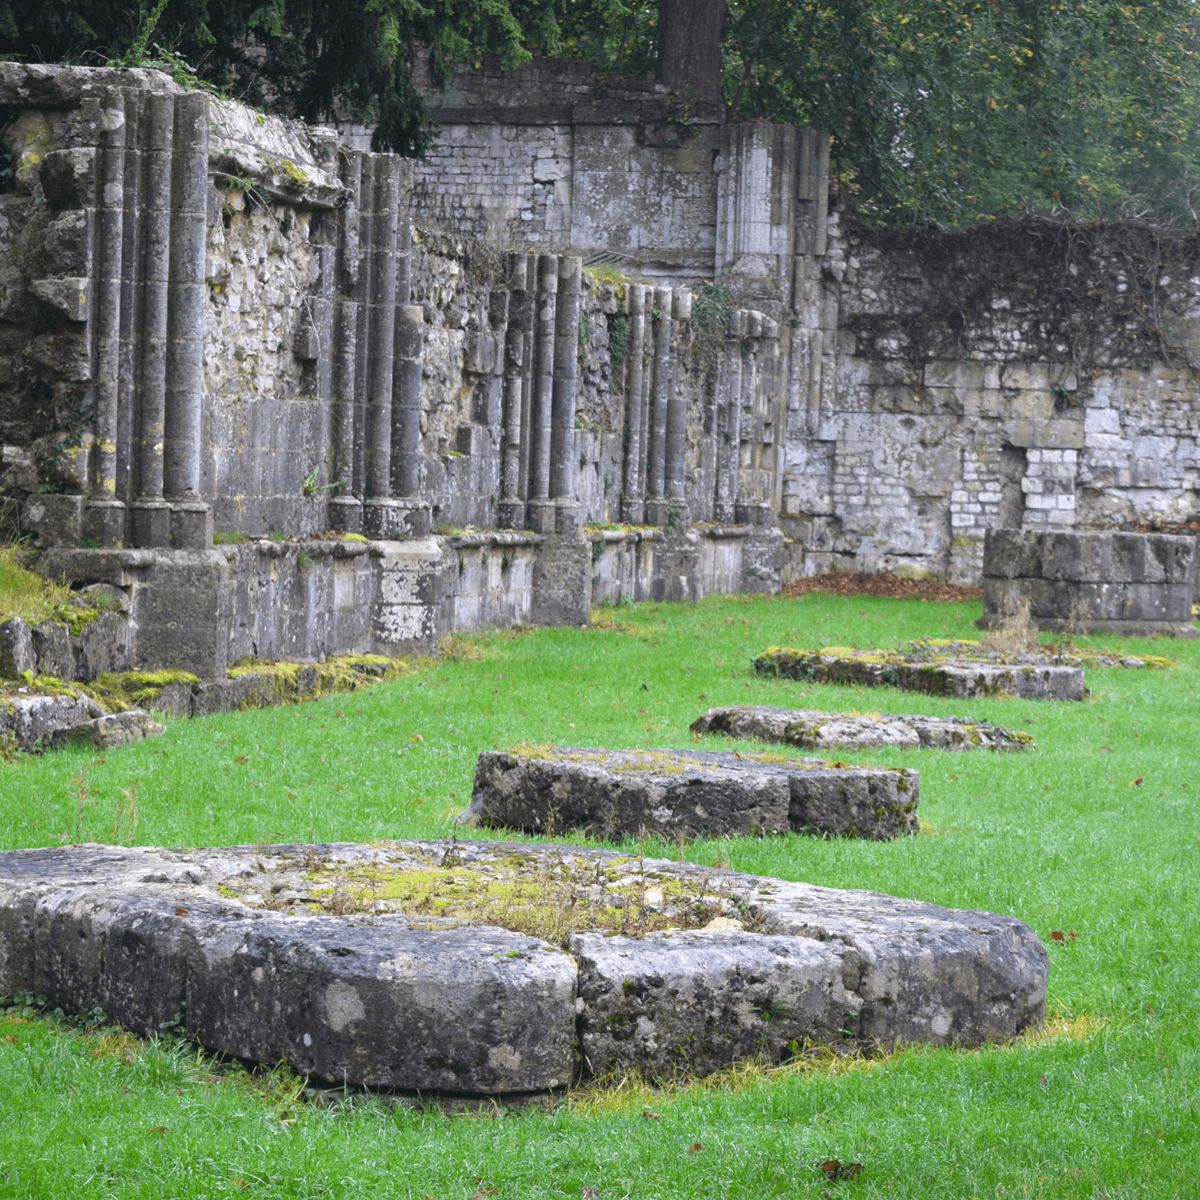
[[568, 518], [725, 512], [150, 524], [104, 523], [668, 514], [541, 516], [510, 512], [396, 517], [191, 525], [754, 514], [633, 510], [345, 514]]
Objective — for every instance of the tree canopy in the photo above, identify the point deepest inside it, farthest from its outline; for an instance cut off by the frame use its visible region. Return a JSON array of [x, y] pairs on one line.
[[946, 110]]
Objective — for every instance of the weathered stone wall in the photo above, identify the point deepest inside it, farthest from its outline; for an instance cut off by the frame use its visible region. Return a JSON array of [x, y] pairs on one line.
[[1028, 376]]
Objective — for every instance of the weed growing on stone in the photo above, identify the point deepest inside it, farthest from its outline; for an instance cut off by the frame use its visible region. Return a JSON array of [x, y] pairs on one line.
[[1065, 838]]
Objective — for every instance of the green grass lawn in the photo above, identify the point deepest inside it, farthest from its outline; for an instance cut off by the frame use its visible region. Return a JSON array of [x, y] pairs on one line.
[[1095, 834]]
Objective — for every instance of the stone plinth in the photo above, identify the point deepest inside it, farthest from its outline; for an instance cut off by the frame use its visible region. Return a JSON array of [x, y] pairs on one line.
[[830, 731], [1141, 584], [960, 678], [676, 793], [658, 966]]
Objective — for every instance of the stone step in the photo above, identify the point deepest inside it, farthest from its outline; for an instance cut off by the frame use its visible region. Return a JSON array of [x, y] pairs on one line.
[[959, 678], [688, 793], [403, 1000], [857, 731]]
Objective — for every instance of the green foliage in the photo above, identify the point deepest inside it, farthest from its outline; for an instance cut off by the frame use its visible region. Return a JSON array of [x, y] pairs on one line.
[[618, 337], [307, 58], [957, 110]]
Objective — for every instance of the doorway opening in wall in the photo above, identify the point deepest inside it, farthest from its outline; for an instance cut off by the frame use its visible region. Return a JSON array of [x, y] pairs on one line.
[[1012, 496]]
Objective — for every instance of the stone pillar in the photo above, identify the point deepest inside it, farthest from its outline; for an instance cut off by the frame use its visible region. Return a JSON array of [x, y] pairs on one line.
[[362, 301], [540, 509], [380, 516], [406, 421], [345, 507], [128, 357], [528, 364], [511, 512], [191, 519], [150, 513], [566, 360], [677, 417], [660, 389], [633, 493], [729, 412], [104, 514]]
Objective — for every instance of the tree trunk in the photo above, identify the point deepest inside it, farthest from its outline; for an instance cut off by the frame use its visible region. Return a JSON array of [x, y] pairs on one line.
[[689, 46]]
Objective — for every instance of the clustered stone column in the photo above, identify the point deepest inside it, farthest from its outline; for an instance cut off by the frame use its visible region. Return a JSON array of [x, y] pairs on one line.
[[378, 338], [539, 392], [137, 176]]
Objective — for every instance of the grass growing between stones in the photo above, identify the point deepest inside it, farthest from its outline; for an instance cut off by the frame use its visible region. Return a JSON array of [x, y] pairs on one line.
[[1096, 834]]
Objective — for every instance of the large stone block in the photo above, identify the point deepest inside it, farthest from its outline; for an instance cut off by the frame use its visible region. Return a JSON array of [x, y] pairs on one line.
[[674, 793], [1012, 553], [692, 1002], [16, 649], [396, 1000]]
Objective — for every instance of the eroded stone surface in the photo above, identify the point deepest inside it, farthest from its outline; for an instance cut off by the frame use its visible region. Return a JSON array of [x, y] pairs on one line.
[[960, 678], [677, 793], [857, 731], [407, 1000]]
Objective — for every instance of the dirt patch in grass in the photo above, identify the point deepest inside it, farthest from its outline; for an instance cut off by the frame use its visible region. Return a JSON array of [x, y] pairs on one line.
[[852, 583]]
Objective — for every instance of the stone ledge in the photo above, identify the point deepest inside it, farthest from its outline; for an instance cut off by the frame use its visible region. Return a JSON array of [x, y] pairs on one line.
[[393, 1000], [960, 678], [677, 793], [829, 731]]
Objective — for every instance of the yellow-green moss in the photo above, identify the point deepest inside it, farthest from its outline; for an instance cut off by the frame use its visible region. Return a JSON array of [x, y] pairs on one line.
[[121, 691]]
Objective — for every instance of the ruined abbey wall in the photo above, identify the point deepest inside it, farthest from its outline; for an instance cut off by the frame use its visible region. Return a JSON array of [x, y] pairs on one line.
[[593, 305]]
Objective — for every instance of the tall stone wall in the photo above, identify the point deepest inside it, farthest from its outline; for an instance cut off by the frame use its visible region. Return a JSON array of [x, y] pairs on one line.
[[1019, 375]]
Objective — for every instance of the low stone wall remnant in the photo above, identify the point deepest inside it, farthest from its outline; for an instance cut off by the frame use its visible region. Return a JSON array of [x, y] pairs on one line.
[[296, 952], [1035, 679], [684, 793], [857, 731], [1139, 584]]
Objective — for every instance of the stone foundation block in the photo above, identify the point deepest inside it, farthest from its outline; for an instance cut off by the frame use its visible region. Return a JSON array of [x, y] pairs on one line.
[[396, 1000], [696, 1001], [16, 649], [961, 679], [672, 793], [831, 731]]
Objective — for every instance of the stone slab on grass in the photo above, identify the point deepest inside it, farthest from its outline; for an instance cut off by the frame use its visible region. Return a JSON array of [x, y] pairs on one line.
[[405, 1000], [682, 793], [959, 678], [857, 731], [31, 720]]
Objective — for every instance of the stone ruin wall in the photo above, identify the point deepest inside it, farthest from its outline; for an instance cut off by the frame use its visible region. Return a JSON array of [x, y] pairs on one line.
[[883, 396]]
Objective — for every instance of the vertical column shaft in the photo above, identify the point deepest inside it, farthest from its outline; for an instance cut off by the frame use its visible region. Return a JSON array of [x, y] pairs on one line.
[[382, 329], [528, 367], [406, 401], [541, 405], [131, 325], [111, 231], [729, 411], [186, 311], [155, 284], [633, 493], [677, 414], [660, 388], [566, 359], [362, 304], [345, 510], [520, 308]]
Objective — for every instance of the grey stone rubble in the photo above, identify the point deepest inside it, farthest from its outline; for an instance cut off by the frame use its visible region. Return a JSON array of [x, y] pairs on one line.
[[959, 678], [1140, 584], [32, 721], [50, 648], [393, 1000], [688, 793], [857, 731]]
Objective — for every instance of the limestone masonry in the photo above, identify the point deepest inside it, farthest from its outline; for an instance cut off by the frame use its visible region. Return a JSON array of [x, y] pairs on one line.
[[593, 306], [241, 948]]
